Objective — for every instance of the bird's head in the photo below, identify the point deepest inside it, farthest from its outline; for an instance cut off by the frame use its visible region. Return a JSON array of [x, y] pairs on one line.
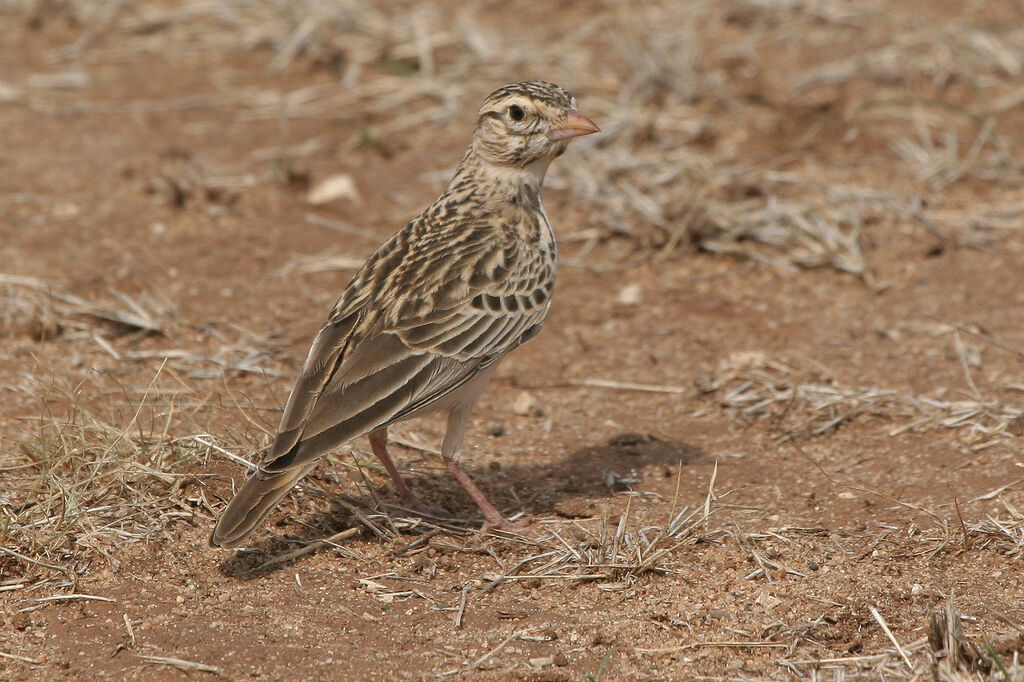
[[527, 125]]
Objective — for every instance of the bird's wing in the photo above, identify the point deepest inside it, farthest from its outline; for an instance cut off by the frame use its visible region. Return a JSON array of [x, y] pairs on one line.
[[397, 352]]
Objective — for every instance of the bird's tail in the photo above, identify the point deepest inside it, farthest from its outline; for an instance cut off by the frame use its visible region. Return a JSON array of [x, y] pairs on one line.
[[257, 497]]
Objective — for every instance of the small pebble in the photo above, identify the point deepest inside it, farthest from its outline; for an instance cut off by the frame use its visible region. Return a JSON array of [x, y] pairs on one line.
[[719, 614], [813, 566], [631, 294], [525, 405], [497, 430]]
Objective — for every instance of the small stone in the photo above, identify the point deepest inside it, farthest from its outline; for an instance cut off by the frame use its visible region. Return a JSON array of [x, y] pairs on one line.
[[542, 661], [497, 430], [813, 566], [768, 601], [223, 597], [735, 664], [525, 405], [179, 599], [332, 188], [631, 294], [720, 614], [21, 621]]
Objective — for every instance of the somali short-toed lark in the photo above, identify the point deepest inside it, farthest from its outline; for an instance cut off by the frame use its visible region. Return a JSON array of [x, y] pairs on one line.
[[423, 324]]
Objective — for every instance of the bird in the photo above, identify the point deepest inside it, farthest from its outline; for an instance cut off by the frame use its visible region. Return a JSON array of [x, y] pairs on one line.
[[425, 321]]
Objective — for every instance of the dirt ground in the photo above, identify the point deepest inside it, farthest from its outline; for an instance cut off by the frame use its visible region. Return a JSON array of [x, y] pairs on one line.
[[772, 424]]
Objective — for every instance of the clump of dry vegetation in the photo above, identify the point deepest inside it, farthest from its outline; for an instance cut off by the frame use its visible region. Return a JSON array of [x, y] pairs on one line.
[[919, 103], [88, 477], [806, 402]]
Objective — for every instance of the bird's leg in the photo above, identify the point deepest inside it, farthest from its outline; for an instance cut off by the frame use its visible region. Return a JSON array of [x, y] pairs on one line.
[[451, 448], [379, 445]]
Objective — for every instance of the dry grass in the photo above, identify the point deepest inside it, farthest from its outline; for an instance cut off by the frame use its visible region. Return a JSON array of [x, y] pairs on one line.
[[947, 654], [663, 173], [918, 104], [45, 311], [89, 478], [805, 403]]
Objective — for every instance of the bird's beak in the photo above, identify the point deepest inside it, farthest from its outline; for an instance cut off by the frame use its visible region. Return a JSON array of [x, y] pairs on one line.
[[575, 125]]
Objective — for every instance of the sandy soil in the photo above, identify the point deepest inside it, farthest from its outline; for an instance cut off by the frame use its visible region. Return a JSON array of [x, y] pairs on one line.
[[825, 521]]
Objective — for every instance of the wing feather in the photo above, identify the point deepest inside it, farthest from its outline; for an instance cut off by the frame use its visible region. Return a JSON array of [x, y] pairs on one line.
[[413, 326], [328, 347]]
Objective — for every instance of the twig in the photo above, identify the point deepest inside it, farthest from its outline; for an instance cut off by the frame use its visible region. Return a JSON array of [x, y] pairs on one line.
[[984, 337], [892, 638], [994, 493], [961, 353], [62, 597], [710, 496], [963, 526], [128, 627], [182, 664], [218, 449], [311, 547], [421, 540], [478, 662], [30, 560], [628, 386], [462, 604], [728, 644], [16, 657], [314, 219]]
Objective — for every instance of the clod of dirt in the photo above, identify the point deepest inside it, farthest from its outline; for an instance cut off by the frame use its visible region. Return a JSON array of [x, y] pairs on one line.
[[21, 621], [626, 439], [525, 405], [333, 188]]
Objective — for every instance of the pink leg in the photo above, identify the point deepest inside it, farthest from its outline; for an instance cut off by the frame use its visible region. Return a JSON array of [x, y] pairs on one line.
[[379, 445], [492, 517], [451, 448]]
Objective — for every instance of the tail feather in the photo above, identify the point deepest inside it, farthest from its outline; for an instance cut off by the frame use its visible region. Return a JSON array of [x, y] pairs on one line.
[[257, 497]]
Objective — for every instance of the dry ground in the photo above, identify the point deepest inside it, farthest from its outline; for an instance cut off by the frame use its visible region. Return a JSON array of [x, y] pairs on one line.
[[772, 428]]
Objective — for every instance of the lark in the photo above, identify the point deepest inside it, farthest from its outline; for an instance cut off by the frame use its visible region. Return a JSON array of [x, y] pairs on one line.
[[426, 320]]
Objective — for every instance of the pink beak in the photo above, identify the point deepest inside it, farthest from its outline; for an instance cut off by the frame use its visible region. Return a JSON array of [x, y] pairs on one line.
[[576, 125]]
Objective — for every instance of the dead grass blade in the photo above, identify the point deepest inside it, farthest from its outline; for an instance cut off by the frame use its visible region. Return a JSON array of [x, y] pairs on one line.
[[801, 403], [181, 664]]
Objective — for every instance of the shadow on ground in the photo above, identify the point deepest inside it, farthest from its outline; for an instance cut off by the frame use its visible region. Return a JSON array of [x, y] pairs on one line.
[[570, 487]]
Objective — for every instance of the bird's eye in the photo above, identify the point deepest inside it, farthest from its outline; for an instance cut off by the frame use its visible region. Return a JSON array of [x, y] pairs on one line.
[[516, 113]]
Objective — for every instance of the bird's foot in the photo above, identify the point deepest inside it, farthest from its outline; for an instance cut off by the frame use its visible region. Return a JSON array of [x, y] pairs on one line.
[[507, 525], [415, 504]]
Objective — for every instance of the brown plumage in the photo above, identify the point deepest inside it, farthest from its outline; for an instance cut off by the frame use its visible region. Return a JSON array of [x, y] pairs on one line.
[[423, 324]]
